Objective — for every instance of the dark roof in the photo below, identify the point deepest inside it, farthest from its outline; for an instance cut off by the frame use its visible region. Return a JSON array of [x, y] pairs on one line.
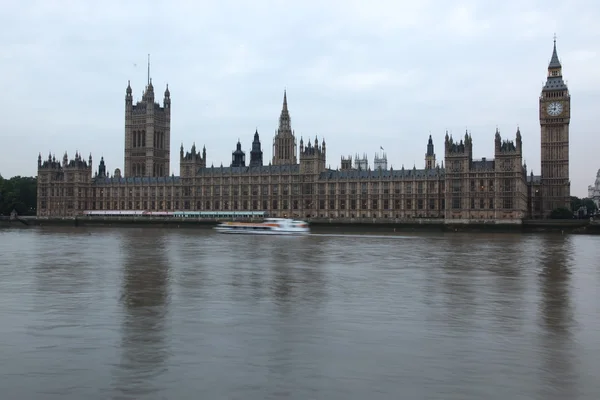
[[534, 178], [382, 173], [133, 180], [554, 61], [483, 165], [259, 170], [554, 83]]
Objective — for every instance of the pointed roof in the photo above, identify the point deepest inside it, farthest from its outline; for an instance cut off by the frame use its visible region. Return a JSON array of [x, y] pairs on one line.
[[554, 61], [285, 124], [554, 80]]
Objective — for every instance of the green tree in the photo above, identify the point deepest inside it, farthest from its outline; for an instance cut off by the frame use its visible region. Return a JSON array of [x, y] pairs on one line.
[[589, 203], [576, 202], [18, 193], [561, 213]]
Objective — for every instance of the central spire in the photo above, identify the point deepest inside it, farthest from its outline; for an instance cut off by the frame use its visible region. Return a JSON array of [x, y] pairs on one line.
[[285, 124], [284, 142]]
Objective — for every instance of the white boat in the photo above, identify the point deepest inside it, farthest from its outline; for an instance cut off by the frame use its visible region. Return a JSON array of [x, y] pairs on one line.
[[270, 226]]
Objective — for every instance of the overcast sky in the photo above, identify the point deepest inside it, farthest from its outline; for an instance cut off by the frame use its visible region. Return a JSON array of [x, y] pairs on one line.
[[362, 74]]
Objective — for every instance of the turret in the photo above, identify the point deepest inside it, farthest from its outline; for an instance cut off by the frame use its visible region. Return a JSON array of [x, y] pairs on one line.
[[128, 95], [508, 154], [497, 141], [507, 146], [346, 163], [464, 147], [149, 93], [256, 154], [167, 98], [192, 161], [238, 157], [101, 169], [458, 155], [430, 155], [312, 157]]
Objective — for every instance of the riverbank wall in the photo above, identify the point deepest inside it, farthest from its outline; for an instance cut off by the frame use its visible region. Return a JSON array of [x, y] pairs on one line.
[[338, 225]]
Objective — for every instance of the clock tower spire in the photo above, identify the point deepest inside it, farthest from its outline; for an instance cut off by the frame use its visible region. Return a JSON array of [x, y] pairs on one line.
[[555, 116]]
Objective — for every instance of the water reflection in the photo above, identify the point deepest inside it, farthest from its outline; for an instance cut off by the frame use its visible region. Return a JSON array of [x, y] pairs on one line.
[[145, 300], [504, 261], [313, 262], [282, 284], [191, 255], [556, 318], [97, 316], [297, 266], [62, 274], [459, 284]]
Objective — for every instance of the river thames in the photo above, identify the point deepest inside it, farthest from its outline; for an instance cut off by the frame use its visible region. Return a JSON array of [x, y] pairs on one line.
[[186, 314]]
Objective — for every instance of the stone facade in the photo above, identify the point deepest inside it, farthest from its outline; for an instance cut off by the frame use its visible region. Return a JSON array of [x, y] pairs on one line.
[[460, 189], [147, 134]]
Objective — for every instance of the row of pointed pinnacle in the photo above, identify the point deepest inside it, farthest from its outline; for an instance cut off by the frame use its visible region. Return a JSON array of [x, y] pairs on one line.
[[284, 117]]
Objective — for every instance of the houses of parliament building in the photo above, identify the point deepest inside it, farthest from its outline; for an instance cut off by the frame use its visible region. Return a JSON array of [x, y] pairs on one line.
[[297, 183]]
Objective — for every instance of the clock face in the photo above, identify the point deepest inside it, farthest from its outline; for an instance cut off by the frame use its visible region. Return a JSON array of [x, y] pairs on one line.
[[554, 109]]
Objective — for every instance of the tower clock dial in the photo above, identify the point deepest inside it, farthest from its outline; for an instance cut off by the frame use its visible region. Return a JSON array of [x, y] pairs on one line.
[[554, 108]]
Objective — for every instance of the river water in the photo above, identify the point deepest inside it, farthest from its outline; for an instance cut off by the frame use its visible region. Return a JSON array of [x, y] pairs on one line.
[[185, 314]]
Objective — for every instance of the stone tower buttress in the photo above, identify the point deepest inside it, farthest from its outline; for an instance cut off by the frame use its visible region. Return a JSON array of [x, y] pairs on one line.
[[555, 117]]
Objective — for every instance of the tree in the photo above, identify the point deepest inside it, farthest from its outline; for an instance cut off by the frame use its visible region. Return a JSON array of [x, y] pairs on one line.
[[576, 202], [591, 206], [561, 213], [18, 193]]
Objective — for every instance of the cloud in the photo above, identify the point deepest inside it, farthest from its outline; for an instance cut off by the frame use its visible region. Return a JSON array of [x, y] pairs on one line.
[[463, 21], [369, 80]]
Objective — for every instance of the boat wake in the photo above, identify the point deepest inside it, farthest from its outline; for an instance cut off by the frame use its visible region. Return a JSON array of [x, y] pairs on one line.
[[365, 235]]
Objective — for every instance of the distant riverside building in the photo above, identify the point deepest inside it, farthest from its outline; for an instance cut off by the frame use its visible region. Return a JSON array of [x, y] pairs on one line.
[[297, 183], [361, 164], [594, 190], [380, 162]]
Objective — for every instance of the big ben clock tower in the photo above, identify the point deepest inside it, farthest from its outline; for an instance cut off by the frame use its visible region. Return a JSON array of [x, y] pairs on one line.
[[555, 115]]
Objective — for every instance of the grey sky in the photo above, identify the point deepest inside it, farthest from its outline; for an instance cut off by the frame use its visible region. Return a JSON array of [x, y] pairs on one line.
[[362, 74]]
